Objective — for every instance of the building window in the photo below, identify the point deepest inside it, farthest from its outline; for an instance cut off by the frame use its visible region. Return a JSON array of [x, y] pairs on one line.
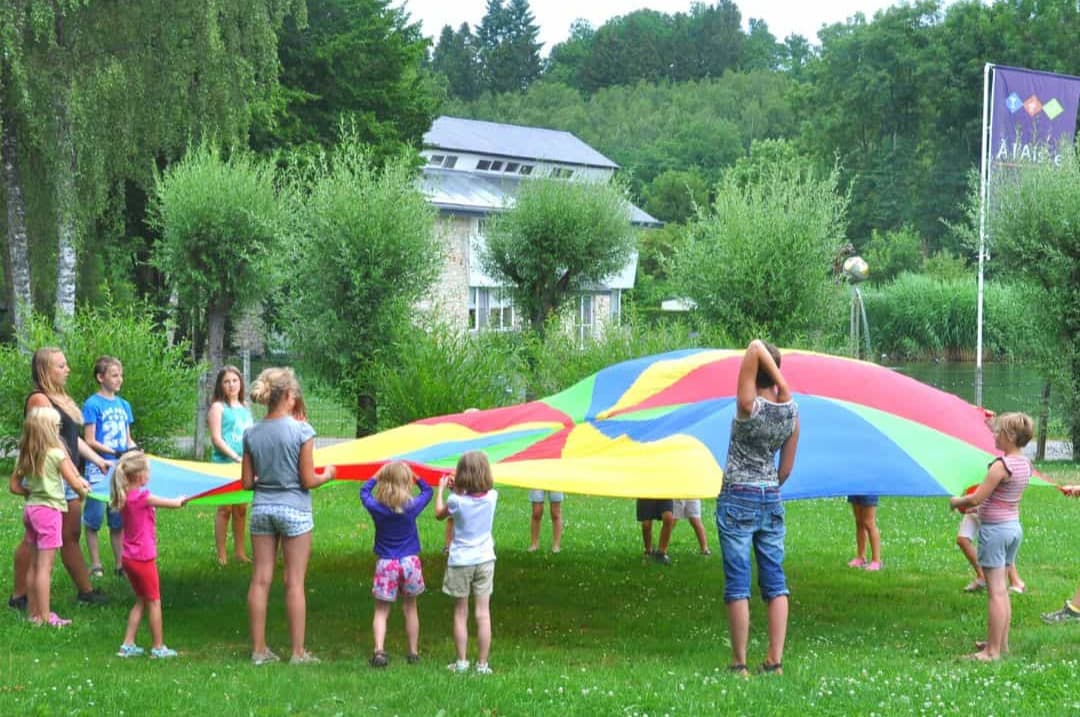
[[526, 169], [450, 162], [436, 160], [585, 319], [511, 167], [484, 165], [496, 166], [561, 173], [490, 308], [615, 305]]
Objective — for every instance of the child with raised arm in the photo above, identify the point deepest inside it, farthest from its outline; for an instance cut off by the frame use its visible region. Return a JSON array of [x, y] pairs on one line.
[[1000, 534], [137, 506], [470, 566], [40, 472], [389, 498], [1070, 611], [107, 429], [227, 419], [279, 466]]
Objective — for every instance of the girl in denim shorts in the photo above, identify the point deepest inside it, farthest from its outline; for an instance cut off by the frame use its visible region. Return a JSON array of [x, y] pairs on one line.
[[279, 450], [394, 509], [1000, 534], [749, 512]]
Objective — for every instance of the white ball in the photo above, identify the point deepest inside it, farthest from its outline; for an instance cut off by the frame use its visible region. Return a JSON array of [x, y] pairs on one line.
[[856, 269]]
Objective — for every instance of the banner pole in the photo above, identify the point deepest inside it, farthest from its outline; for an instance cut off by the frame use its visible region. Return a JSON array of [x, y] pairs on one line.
[[984, 181]]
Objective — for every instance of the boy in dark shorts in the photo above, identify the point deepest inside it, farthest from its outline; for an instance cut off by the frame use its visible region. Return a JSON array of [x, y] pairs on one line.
[[648, 510]]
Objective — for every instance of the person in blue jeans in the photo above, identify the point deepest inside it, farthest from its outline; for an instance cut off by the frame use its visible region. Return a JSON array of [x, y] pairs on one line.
[[749, 511]]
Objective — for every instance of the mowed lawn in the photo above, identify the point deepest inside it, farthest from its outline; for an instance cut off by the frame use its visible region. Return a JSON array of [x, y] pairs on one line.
[[591, 631]]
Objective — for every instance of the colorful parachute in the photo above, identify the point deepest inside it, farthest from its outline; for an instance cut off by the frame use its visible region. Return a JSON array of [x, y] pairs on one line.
[[659, 426]]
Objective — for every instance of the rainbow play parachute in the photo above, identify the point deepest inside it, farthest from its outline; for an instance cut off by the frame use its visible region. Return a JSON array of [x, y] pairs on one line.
[[659, 426]]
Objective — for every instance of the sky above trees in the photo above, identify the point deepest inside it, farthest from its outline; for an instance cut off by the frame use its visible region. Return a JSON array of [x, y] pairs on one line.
[[555, 16]]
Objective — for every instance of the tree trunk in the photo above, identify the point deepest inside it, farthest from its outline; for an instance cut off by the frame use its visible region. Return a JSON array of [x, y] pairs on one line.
[[216, 316], [21, 298], [1044, 416], [366, 414], [66, 211]]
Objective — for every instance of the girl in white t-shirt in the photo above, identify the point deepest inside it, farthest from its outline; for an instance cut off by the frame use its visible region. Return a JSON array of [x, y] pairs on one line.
[[470, 566]]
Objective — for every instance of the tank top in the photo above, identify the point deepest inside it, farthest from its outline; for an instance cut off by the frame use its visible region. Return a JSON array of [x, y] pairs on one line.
[[755, 440], [69, 430], [1003, 505], [234, 421]]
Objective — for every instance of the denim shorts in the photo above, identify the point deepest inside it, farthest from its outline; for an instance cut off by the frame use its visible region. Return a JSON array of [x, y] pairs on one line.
[[537, 496], [998, 543], [94, 512], [269, 519], [867, 500], [751, 518]]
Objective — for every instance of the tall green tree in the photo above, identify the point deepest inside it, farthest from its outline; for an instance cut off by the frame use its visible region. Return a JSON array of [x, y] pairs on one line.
[[557, 236], [221, 224], [1035, 226], [507, 47], [357, 60], [567, 59], [366, 252], [456, 57], [760, 50], [758, 260]]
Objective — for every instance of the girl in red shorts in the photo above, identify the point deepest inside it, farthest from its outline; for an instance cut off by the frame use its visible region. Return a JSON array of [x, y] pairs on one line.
[[137, 507]]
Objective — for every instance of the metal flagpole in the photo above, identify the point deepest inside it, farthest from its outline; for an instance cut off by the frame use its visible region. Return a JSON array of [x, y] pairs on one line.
[[984, 188]]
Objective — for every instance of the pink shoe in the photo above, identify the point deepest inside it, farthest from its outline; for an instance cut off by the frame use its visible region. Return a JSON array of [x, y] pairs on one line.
[[856, 563], [873, 566]]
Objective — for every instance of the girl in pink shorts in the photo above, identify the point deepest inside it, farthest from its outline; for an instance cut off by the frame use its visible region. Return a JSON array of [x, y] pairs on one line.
[[394, 509], [40, 473]]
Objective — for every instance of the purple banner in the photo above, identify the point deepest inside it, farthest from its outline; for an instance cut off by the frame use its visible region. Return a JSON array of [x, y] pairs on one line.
[[1031, 113]]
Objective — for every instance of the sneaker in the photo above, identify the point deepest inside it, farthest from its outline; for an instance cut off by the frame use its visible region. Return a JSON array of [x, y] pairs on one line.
[[162, 653], [130, 651], [1065, 614], [305, 659], [458, 666], [97, 572], [482, 668], [856, 563], [661, 558], [53, 621], [18, 603], [873, 566], [263, 658], [92, 597]]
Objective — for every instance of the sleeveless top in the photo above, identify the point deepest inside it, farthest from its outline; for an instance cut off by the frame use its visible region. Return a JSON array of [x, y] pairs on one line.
[[1003, 505], [69, 430], [234, 421], [755, 440]]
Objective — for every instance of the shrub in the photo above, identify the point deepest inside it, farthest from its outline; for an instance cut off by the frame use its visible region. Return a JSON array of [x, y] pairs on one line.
[[159, 381], [890, 254]]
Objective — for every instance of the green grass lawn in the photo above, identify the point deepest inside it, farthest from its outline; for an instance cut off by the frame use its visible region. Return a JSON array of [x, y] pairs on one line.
[[591, 631]]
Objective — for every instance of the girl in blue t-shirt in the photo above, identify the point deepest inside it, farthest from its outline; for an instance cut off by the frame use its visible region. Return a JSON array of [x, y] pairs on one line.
[[394, 509], [227, 419]]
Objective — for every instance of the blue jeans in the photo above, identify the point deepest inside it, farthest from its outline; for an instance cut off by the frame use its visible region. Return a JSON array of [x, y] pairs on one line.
[[747, 516]]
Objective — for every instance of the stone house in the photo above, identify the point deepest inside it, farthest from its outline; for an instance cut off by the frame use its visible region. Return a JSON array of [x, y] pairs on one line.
[[473, 169]]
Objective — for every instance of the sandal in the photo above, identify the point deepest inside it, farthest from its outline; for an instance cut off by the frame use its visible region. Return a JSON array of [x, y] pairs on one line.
[[97, 572], [771, 668], [412, 658], [975, 586], [379, 659], [739, 670]]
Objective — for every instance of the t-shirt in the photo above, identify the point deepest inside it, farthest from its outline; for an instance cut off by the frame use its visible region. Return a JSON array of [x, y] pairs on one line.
[[111, 418], [1003, 504], [48, 489], [234, 421], [755, 441], [473, 516], [395, 533], [140, 526], [274, 446]]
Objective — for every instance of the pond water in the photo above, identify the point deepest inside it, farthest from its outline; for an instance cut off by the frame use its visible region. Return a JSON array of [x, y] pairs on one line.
[[1006, 386]]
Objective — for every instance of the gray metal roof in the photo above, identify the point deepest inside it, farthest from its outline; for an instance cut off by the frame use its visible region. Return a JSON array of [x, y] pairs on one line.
[[453, 190], [453, 134]]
